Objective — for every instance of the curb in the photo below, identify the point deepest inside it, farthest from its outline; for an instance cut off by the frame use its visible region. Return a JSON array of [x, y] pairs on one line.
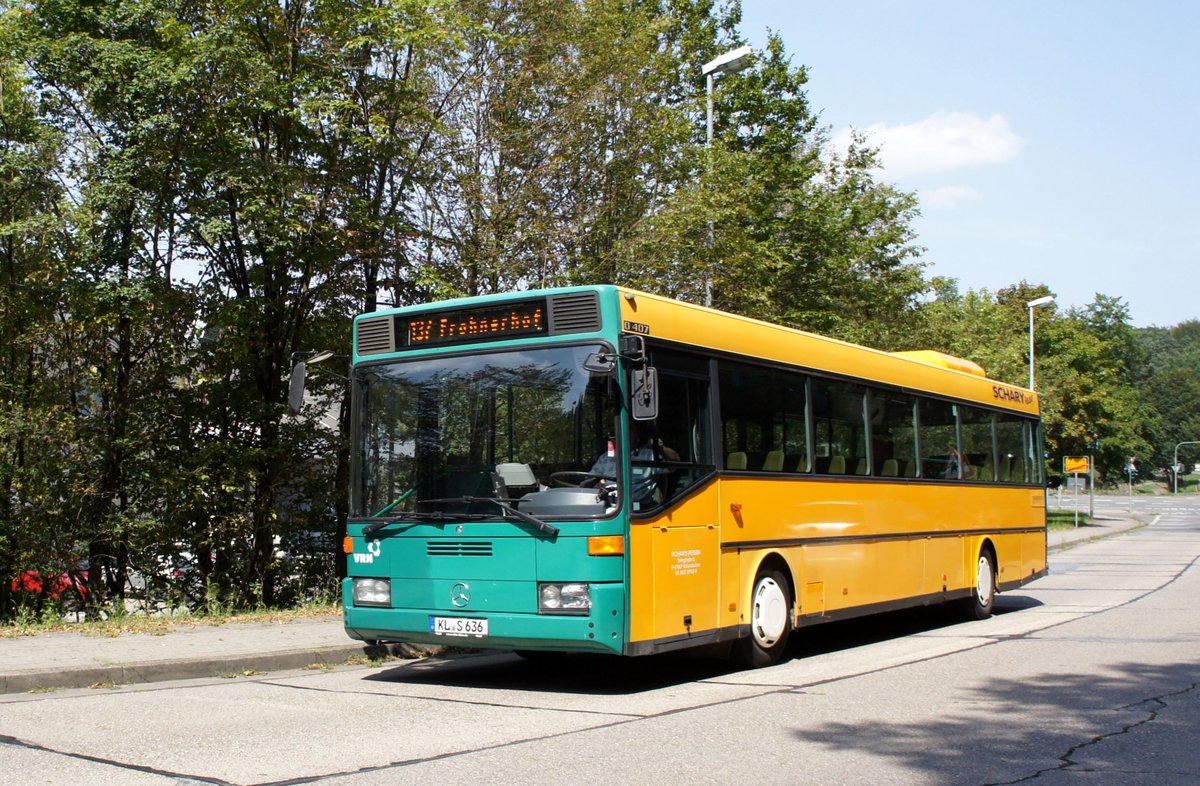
[[1132, 524], [165, 671]]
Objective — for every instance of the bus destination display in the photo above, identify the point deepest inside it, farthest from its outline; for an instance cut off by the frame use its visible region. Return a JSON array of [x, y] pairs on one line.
[[469, 325]]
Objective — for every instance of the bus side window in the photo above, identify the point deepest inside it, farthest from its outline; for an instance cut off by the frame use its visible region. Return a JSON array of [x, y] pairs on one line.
[[1012, 435], [939, 439], [679, 440], [893, 432], [976, 432], [840, 425], [764, 417]]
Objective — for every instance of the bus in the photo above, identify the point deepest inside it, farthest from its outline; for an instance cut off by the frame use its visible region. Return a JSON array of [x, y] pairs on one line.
[[598, 469]]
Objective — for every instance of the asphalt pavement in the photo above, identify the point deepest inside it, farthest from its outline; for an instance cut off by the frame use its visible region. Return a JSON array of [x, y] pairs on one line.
[[61, 660]]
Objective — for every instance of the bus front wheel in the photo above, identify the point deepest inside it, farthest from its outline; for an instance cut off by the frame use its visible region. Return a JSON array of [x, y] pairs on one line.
[[770, 621], [983, 596]]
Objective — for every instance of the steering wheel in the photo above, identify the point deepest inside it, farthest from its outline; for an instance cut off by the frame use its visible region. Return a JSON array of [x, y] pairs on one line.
[[579, 479]]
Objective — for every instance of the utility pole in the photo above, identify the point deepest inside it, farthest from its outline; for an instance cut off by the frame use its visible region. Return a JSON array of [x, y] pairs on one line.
[[1093, 449], [1129, 470]]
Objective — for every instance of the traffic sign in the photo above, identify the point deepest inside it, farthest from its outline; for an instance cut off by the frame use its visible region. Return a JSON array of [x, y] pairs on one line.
[[1076, 465]]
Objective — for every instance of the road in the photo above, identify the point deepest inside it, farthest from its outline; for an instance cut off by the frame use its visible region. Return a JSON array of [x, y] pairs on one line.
[[1119, 504], [1088, 675]]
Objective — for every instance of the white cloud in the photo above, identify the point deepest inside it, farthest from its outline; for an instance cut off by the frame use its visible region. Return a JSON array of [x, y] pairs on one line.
[[950, 196], [941, 142]]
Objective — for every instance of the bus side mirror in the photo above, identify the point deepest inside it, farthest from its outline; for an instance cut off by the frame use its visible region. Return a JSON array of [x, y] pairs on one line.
[[644, 396], [633, 348], [599, 363], [296, 387]]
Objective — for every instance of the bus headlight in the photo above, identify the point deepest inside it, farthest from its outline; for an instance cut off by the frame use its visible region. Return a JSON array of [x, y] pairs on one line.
[[556, 598], [372, 592]]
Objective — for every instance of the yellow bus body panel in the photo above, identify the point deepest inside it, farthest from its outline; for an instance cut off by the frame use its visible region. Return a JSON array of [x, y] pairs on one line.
[[847, 543], [675, 570]]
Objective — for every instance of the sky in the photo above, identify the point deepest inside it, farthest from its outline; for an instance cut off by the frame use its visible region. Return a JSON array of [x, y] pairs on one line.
[[1049, 141]]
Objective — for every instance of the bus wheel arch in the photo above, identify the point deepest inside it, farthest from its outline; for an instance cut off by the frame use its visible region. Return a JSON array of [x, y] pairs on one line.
[[979, 604], [771, 609]]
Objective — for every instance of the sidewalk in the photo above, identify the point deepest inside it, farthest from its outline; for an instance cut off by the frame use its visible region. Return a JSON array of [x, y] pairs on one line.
[[1099, 527], [74, 660]]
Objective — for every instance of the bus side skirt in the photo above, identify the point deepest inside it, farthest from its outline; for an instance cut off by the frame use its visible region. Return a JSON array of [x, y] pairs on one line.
[[671, 643], [1005, 586]]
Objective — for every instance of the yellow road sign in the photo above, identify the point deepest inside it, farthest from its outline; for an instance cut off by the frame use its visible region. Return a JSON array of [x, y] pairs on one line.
[[1076, 465]]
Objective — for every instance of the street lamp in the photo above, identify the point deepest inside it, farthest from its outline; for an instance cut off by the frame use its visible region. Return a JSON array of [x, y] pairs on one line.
[[300, 375], [1031, 305], [1175, 464], [727, 63]]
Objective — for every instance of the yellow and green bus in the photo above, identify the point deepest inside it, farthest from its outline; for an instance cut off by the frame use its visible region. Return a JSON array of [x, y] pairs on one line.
[[600, 469]]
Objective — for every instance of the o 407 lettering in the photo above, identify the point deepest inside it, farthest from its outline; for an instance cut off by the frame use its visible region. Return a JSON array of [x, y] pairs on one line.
[[641, 328]]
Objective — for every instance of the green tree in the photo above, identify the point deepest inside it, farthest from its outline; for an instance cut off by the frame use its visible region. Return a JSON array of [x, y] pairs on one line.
[[308, 123], [563, 131], [1083, 357], [36, 495], [1171, 390], [271, 146], [779, 226], [104, 77], [980, 326]]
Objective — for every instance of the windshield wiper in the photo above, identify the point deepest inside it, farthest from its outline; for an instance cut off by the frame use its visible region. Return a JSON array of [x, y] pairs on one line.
[[438, 515], [395, 502], [507, 507], [379, 522]]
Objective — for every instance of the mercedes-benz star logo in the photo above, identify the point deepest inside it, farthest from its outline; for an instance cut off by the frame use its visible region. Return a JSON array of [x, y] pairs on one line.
[[460, 594]]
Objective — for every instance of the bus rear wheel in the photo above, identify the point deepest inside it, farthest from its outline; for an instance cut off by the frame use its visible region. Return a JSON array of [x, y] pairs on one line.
[[770, 622], [983, 596]]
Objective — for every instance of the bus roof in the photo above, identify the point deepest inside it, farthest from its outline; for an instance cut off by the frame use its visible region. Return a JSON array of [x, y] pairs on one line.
[[942, 360], [921, 370]]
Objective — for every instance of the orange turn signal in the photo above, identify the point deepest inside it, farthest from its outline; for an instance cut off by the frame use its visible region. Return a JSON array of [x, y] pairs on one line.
[[606, 545], [348, 545]]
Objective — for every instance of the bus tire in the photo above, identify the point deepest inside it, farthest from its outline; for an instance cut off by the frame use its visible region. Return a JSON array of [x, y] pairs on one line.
[[983, 594], [770, 621]]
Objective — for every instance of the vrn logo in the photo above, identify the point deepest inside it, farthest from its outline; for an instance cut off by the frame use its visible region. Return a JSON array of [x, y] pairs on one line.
[[373, 551]]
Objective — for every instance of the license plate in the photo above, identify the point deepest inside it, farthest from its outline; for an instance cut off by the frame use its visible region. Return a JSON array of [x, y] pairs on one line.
[[458, 626]]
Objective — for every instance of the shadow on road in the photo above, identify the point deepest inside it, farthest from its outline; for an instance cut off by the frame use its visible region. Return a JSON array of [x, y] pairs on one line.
[[610, 675], [1088, 726], [603, 675]]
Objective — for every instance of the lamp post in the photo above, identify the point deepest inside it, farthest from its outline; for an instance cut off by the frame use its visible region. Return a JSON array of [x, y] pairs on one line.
[[1031, 305], [727, 63], [1175, 464], [300, 375]]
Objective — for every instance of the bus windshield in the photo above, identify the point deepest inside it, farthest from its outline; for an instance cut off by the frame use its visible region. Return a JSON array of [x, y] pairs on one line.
[[527, 426]]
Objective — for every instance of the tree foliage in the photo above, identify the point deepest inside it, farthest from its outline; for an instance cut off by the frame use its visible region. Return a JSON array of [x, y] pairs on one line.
[[1171, 392], [1090, 366]]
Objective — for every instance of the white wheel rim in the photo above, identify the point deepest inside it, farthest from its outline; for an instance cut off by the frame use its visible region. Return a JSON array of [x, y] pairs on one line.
[[770, 614], [983, 581]]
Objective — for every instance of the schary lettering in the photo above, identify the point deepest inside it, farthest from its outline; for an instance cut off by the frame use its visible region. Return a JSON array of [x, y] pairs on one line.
[[1011, 394]]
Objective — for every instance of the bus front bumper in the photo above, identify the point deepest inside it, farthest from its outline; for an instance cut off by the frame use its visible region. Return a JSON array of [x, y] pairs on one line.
[[600, 630]]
